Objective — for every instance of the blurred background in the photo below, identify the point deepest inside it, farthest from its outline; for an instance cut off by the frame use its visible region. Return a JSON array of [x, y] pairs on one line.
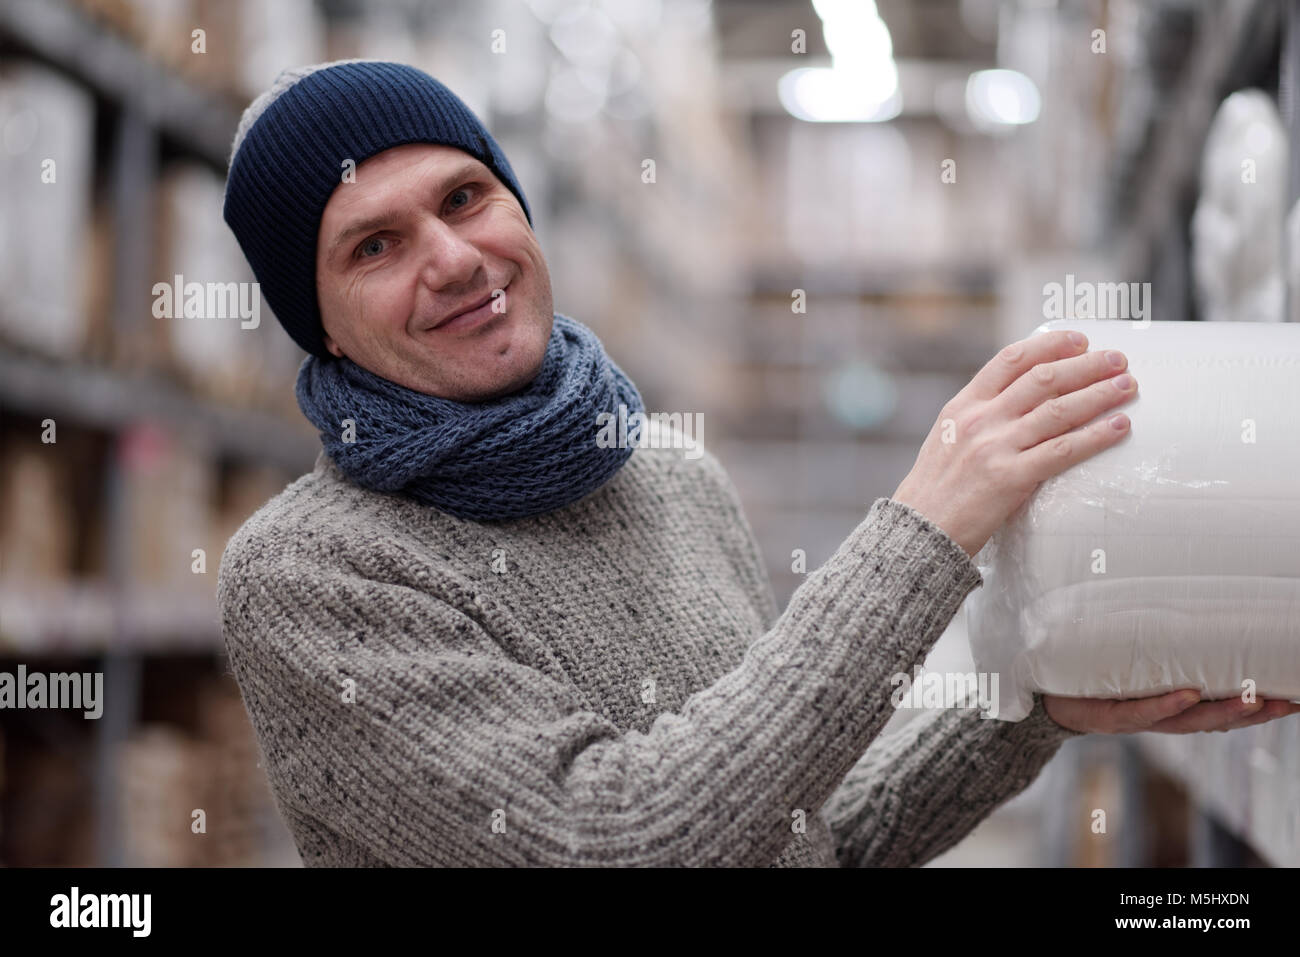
[[853, 206]]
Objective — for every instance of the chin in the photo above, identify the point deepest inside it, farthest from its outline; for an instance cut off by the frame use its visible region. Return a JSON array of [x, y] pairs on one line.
[[518, 378], [510, 360], [527, 351]]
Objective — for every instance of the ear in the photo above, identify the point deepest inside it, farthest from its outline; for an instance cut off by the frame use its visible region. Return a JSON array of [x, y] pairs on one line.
[[333, 347]]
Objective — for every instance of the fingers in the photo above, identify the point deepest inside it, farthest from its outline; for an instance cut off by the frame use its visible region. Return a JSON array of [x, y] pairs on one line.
[[1221, 715], [1269, 711], [1018, 358], [1056, 416], [1061, 377], [1057, 454], [1178, 712], [1147, 713]]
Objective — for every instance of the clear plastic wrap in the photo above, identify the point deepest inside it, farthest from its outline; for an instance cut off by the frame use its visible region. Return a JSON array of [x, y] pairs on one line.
[[1171, 559]]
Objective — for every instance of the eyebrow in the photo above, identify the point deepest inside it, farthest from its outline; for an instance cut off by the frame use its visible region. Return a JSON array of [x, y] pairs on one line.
[[371, 223]]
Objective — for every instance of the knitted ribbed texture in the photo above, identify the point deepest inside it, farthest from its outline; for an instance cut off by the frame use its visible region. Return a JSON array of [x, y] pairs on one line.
[[290, 159], [606, 684], [511, 457]]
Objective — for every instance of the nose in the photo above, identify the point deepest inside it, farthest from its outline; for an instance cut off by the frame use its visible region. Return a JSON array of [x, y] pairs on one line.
[[448, 257]]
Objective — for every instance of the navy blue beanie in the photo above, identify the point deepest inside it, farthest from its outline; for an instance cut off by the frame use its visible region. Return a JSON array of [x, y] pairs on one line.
[[288, 157]]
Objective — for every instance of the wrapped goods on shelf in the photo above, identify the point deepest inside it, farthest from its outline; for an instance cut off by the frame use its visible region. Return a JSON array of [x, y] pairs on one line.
[[168, 773], [1238, 225], [1250, 779], [36, 524], [274, 36], [245, 490], [223, 338], [160, 29], [218, 67], [165, 777], [241, 796], [46, 126], [169, 493], [1172, 558], [120, 16], [166, 31]]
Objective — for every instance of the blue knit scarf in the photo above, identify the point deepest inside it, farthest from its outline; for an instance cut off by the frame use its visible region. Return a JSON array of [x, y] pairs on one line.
[[507, 458]]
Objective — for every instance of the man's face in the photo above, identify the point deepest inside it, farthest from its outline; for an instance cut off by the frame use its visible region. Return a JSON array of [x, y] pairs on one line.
[[425, 232]]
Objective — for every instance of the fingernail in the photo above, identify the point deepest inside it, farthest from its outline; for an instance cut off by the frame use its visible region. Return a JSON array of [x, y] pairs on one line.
[[1190, 698], [1123, 382], [1252, 707], [1114, 358], [1120, 422], [1078, 338]]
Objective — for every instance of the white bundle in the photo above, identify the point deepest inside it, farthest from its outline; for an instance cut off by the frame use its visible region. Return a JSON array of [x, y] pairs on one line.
[[1171, 559]]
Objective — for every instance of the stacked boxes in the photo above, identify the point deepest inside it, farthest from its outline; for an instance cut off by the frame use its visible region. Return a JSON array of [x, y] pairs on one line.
[[168, 775]]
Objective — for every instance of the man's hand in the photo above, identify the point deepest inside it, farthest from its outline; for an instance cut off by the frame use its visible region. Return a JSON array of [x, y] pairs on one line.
[[1179, 712], [1019, 422]]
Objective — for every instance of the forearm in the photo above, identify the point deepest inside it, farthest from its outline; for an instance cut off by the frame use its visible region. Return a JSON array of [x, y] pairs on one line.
[[917, 792]]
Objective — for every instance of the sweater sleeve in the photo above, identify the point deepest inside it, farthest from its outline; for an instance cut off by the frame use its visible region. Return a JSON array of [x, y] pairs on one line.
[[447, 751], [920, 790], [917, 792]]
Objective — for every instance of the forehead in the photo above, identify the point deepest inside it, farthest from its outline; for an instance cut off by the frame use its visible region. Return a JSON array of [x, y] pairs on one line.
[[385, 175]]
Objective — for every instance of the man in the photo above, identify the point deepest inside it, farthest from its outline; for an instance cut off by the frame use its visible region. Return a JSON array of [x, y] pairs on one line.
[[475, 636]]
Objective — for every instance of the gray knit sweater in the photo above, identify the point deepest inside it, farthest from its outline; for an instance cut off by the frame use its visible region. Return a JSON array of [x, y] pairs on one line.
[[608, 684]]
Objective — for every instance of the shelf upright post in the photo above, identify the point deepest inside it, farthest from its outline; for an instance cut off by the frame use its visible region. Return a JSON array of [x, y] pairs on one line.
[[131, 178]]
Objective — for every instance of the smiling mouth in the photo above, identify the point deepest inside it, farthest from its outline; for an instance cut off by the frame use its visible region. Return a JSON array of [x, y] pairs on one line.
[[472, 316]]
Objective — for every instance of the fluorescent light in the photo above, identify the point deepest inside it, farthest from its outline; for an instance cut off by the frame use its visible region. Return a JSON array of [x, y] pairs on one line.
[[997, 98], [844, 9], [861, 85], [818, 95]]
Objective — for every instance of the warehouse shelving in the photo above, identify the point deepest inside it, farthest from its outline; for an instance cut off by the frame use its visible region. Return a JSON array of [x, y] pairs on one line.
[[95, 619], [151, 114], [56, 33], [147, 115], [110, 400], [1229, 34]]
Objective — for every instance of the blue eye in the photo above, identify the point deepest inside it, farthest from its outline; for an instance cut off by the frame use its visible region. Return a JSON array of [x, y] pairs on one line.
[[368, 244], [463, 189]]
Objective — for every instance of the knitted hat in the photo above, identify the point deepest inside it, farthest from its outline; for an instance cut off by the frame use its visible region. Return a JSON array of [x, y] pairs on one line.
[[290, 153]]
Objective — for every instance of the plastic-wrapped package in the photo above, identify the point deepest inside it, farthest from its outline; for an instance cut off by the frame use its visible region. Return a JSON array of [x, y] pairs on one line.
[[1237, 228], [1171, 559]]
